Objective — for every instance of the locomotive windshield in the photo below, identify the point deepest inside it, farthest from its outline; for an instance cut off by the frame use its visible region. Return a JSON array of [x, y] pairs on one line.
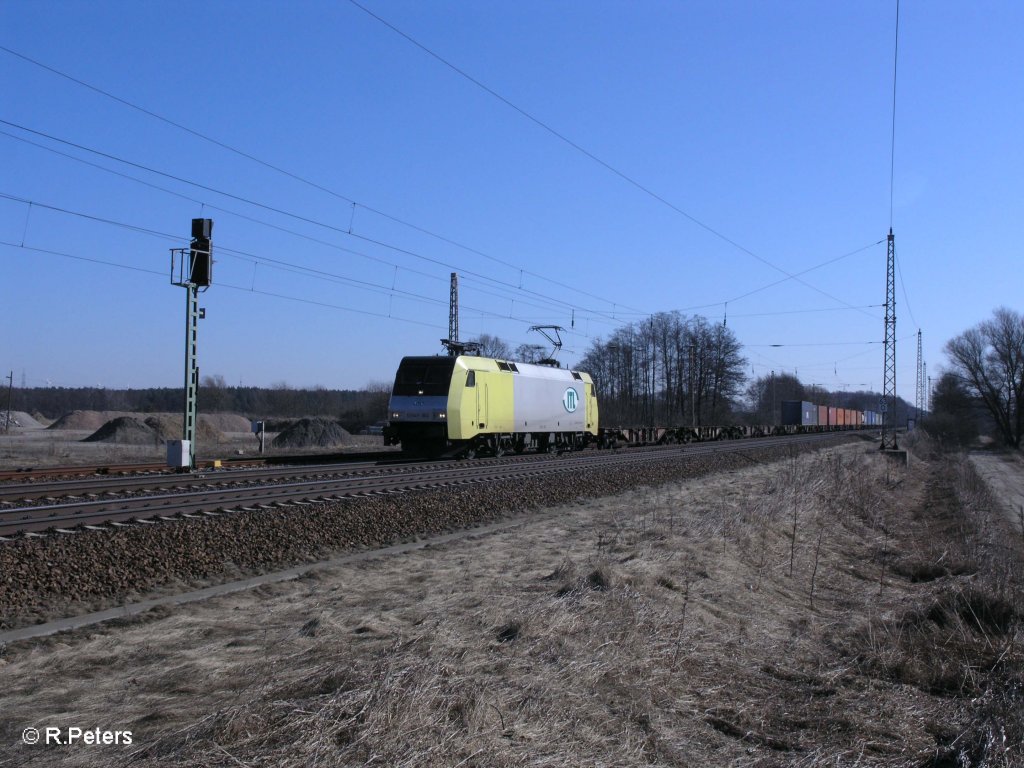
[[424, 375]]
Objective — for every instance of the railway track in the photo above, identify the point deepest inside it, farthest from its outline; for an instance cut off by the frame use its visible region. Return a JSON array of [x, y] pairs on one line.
[[35, 474], [77, 504]]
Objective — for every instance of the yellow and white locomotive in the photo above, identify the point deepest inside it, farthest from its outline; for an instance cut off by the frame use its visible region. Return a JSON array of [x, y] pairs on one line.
[[465, 405]]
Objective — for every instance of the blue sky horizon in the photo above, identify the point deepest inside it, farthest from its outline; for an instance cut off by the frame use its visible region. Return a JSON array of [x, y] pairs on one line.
[[728, 147]]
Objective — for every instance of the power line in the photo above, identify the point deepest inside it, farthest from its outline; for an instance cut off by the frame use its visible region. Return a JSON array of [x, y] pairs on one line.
[[800, 311], [815, 344], [219, 284], [903, 285], [296, 176], [608, 166], [892, 146], [282, 212], [82, 258], [778, 282], [269, 261]]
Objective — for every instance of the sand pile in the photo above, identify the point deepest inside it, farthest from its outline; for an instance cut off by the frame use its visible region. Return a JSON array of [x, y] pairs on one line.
[[20, 419], [125, 430], [91, 420], [227, 422], [310, 433]]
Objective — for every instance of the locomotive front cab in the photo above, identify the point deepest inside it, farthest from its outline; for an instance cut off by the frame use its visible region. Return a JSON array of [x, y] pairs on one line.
[[418, 409]]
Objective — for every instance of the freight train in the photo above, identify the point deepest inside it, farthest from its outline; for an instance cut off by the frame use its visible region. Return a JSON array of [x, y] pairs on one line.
[[467, 405], [805, 416]]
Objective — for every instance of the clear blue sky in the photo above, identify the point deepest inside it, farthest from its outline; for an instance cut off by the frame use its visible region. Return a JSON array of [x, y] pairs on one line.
[[767, 122]]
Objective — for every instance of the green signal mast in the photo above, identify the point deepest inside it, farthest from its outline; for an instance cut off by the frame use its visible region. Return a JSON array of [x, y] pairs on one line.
[[191, 269]]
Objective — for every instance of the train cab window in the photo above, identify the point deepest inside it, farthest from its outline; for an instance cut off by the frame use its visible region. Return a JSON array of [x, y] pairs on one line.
[[512, 367], [424, 376], [471, 378], [577, 376]]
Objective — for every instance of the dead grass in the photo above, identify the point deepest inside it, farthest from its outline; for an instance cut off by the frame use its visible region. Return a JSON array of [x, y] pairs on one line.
[[825, 610]]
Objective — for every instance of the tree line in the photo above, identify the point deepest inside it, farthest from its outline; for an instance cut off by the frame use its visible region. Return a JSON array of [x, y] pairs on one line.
[[354, 409], [673, 370], [668, 369]]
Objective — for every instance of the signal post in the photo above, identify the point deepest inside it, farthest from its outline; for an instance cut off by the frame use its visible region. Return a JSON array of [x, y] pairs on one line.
[[191, 269]]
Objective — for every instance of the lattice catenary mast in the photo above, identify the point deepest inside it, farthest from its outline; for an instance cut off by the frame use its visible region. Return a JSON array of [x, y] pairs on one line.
[[888, 404], [919, 403], [453, 310]]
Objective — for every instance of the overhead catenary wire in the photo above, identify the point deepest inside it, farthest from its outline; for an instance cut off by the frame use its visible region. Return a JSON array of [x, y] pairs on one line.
[[892, 163], [892, 142], [257, 258], [415, 227], [587, 153], [596, 315], [289, 214], [297, 177], [266, 260], [381, 213], [244, 289]]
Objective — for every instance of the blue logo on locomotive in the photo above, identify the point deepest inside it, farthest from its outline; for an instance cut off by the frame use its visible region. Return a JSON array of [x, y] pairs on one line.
[[570, 400]]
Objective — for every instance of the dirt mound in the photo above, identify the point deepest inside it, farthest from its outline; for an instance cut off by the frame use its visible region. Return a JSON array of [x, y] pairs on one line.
[[91, 420], [166, 427], [125, 430], [227, 422], [169, 427], [310, 433]]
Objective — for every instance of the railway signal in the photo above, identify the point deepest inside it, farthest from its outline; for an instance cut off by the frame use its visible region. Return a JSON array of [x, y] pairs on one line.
[[191, 269]]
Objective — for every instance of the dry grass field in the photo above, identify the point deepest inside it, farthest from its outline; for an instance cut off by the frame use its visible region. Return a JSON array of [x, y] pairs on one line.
[[833, 609]]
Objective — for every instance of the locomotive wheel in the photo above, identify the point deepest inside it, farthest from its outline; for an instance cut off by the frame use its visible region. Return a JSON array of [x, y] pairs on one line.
[[469, 453]]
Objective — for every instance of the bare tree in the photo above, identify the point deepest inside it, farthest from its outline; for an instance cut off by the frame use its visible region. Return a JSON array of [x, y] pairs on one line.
[[765, 393], [493, 346], [989, 359], [668, 369], [530, 353]]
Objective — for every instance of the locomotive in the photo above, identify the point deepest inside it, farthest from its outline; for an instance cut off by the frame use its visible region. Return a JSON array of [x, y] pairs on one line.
[[467, 405]]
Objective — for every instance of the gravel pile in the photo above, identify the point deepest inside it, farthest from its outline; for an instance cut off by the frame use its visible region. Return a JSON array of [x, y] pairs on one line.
[[227, 422], [124, 430], [21, 419], [169, 427], [91, 570], [313, 433]]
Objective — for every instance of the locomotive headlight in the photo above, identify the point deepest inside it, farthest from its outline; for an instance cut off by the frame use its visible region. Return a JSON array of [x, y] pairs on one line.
[[395, 415], [442, 415]]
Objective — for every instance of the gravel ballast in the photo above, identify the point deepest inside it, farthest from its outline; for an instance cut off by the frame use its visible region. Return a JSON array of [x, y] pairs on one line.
[[68, 574]]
